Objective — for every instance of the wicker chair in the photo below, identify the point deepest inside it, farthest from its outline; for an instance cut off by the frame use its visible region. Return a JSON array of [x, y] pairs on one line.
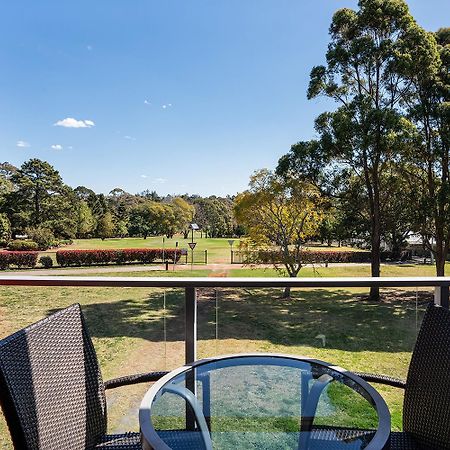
[[426, 406], [51, 390]]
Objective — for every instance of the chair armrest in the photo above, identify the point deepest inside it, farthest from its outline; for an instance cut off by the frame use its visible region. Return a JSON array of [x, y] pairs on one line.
[[382, 379], [134, 379]]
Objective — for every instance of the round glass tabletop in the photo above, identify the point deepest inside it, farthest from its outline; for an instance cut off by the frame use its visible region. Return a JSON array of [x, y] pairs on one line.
[[263, 401]]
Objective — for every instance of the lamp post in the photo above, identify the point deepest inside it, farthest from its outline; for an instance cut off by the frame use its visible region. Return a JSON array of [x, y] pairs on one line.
[[175, 258], [230, 243]]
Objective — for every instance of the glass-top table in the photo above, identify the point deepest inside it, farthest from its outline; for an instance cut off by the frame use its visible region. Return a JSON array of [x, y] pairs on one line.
[[263, 401]]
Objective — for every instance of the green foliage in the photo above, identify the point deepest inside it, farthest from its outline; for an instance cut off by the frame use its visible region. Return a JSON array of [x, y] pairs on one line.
[[5, 230], [281, 212], [86, 222], [215, 216], [183, 214], [427, 170], [20, 245], [43, 237], [149, 219], [40, 198], [46, 262], [121, 229], [372, 53], [105, 226]]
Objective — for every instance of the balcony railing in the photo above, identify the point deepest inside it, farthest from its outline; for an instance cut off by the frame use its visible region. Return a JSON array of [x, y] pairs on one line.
[[440, 284]]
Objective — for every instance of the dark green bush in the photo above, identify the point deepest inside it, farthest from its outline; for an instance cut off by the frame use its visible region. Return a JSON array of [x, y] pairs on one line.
[[20, 246], [46, 261], [42, 236]]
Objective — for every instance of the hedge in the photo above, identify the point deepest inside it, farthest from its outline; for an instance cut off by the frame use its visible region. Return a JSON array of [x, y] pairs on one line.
[[312, 257], [118, 256], [19, 245], [18, 259]]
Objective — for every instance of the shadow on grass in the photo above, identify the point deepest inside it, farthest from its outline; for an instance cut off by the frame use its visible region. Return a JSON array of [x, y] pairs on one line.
[[346, 320]]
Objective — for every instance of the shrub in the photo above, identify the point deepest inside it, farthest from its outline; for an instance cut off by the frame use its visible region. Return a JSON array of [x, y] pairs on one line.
[[46, 261], [18, 259], [19, 245], [310, 257], [42, 236], [5, 230], [119, 256], [4, 260]]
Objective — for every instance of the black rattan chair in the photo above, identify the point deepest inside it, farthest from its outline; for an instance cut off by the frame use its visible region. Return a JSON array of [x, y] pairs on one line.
[[426, 406], [51, 389]]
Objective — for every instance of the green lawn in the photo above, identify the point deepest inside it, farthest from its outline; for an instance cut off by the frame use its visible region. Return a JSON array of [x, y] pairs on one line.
[[128, 326], [218, 249], [344, 270]]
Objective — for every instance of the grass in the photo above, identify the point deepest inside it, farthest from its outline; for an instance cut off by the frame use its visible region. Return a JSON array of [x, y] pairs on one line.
[[128, 326], [344, 270], [218, 249]]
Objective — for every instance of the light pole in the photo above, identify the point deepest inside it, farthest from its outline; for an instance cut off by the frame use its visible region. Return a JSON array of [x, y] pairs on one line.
[[231, 242], [175, 258]]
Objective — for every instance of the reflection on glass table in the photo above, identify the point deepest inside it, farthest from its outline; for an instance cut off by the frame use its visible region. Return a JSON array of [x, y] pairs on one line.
[[263, 401]]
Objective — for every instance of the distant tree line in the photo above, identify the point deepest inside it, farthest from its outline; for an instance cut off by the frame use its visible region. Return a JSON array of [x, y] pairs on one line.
[[35, 201]]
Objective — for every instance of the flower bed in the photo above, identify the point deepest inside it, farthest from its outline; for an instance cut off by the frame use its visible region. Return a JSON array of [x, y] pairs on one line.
[[117, 256]]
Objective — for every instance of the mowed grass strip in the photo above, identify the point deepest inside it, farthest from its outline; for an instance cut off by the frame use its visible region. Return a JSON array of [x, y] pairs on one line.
[[218, 249], [342, 270]]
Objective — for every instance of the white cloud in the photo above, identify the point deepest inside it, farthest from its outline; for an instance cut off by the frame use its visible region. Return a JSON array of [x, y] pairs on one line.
[[130, 138], [143, 176], [169, 105], [70, 122], [147, 102], [57, 147], [70, 147], [23, 144], [159, 181]]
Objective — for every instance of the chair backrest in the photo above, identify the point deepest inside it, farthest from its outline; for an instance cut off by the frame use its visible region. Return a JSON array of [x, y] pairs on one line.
[[426, 409], [51, 389]]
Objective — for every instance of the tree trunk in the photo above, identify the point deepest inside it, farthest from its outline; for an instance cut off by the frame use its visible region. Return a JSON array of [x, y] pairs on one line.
[[287, 290], [440, 256], [376, 251]]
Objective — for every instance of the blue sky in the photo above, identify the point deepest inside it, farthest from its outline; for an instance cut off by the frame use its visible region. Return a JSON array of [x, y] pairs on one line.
[[170, 95]]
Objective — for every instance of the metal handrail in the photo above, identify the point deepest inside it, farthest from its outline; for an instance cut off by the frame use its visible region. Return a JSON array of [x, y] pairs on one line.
[[204, 282], [190, 284]]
